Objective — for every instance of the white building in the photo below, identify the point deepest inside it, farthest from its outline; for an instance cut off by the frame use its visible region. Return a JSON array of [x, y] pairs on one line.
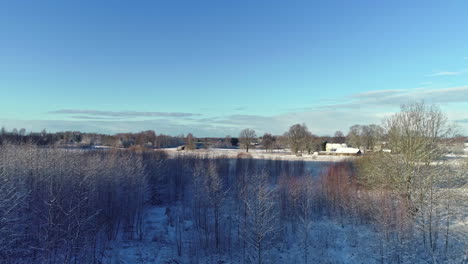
[[340, 150], [334, 146], [348, 151]]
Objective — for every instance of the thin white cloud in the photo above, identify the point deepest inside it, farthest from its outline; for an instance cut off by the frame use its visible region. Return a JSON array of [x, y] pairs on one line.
[[426, 83], [448, 73], [319, 121], [120, 114], [83, 117], [445, 73], [377, 93], [384, 98], [242, 108]]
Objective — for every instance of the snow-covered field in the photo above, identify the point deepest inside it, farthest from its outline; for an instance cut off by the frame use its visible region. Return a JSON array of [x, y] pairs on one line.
[[157, 245], [331, 242], [256, 154]]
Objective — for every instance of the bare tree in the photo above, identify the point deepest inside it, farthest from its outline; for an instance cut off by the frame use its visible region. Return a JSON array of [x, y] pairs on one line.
[[417, 131], [12, 225], [298, 135], [216, 195], [247, 138], [364, 136], [416, 172], [268, 141], [302, 196], [22, 132], [371, 134], [354, 136], [189, 142], [339, 137], [65, 200], [261, 217], [282, 141], [227, 141], [311, 143]]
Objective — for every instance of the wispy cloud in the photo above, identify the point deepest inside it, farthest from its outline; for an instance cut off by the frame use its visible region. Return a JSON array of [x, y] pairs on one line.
[[319, 121], [240, 108], [389, 98], [243, 120], [445, 73], [83, 117], [118, 114], [448, 73], [426, 83], [378, 93]]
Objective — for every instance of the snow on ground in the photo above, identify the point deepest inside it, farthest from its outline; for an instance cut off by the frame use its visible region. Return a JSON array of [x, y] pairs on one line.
[[331, 242], [255, 153], [156, 246], [455, 159]]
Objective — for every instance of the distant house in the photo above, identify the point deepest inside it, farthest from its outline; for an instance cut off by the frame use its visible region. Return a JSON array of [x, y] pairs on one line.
[[334, 146], [342, 151], [348, 151]]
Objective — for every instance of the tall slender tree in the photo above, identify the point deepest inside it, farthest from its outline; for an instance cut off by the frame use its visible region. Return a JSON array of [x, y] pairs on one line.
[[247, 138]]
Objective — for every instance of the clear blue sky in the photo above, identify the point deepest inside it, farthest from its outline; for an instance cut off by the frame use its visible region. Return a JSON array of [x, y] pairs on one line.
[[215, 67]]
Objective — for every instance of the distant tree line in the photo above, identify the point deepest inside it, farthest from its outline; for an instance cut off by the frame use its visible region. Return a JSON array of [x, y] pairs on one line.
[[371, 137], [80, 139]]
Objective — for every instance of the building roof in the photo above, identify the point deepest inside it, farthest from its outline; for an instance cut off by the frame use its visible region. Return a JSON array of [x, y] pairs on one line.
[[348, 150]]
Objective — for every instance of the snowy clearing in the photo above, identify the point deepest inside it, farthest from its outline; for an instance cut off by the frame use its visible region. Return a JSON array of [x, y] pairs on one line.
[[255, 153]]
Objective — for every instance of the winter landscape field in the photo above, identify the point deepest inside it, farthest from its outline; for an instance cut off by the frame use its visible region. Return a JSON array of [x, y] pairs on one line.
[[64, 204], [233, 132]]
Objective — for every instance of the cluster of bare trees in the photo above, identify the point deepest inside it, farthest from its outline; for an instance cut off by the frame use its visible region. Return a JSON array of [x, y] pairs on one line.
[[59, 206], [11, 209], [422, 231], [365, 136], [298, 138], [415, 184], [234, 208], [268, 141], [301, 140], [146, 138]]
